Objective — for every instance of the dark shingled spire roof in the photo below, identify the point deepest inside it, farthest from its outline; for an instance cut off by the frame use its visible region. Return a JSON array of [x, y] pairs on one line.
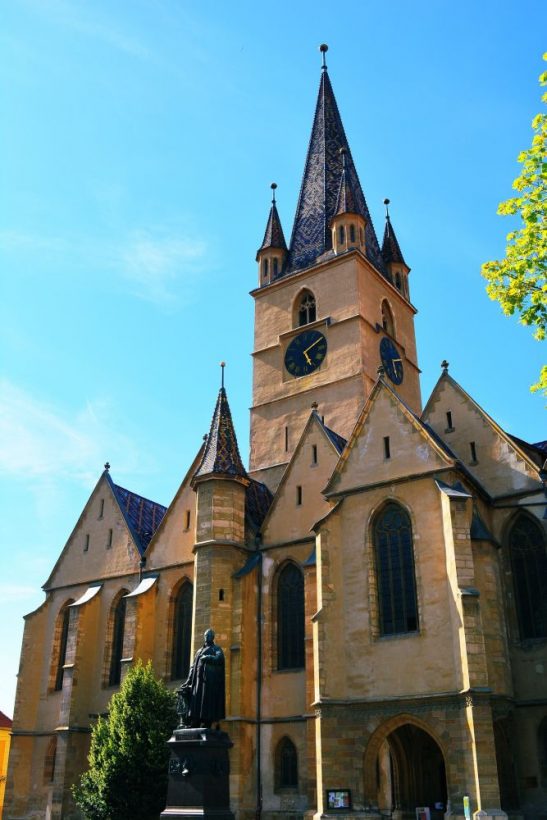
[[221, 453], [142, 516], [390, 247], [273, 236], [311, 236]]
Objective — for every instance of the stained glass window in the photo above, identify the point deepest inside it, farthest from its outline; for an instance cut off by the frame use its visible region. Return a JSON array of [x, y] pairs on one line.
[[290, 618], [117, 643], [182, 633], [395, 571], [529, 565]]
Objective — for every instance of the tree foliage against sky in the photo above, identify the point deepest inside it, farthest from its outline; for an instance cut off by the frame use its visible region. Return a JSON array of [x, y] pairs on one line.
[[128, 758], [519, 281]]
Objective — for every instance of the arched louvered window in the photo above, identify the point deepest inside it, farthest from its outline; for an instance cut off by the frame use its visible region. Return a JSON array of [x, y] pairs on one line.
[[118, 629], [286, 765], [63, 639], [398, 608], [290, 618], [529, 565], [387, 319], [306, 308], [182, 632]]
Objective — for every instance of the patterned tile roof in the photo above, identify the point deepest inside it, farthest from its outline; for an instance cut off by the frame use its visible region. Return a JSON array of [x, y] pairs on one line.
[[221, 453], [273, 235], [257, 503], [390, 246], [142, 516], [337, 440], [537, 452], [311, 236]]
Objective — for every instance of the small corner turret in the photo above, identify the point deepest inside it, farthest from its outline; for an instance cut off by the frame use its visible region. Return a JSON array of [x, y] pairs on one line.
[[272, 253], [396, 267], [347, 225]]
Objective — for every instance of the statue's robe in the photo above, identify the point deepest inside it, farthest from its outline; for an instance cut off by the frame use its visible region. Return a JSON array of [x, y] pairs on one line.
[[204, 687]]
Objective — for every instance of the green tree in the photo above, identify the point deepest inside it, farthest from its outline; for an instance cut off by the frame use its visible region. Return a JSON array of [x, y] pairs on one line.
[[127, 775], [519, 281]]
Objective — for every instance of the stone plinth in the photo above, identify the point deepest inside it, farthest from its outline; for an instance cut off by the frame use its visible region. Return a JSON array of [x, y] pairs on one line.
[[199, 771]]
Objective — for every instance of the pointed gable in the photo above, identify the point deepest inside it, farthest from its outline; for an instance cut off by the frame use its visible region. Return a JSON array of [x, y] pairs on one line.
[[317, 202], [495, 459], [388, 443], [221, 454], [298, 501], [110, 535]]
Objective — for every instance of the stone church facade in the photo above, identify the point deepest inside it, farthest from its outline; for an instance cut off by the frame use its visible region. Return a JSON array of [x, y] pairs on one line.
[[377, 577]]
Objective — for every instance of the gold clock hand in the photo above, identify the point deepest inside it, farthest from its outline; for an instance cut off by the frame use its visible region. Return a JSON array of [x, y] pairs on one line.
[[310, 347], [307, 357]]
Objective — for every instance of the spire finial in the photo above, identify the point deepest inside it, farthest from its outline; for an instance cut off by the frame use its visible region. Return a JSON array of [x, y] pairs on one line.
[[386, 203], [107, 466], [273, 186], [323, 48], [222, 366], [444, 365]]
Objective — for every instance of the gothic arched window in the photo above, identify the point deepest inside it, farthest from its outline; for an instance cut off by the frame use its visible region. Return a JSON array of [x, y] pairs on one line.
[[59, 647], [387, 319], [118, 628], [395, 571], [529, 565], [286, 765], [290, 618], [182, 632], [306, 309]]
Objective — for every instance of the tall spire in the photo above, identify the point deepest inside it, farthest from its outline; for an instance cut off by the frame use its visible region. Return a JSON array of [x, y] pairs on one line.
[[273, 235], [391, 251], [317, 202], [221, 455]]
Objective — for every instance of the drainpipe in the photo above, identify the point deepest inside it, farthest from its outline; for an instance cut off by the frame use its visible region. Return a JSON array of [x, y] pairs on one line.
[[258, 813]]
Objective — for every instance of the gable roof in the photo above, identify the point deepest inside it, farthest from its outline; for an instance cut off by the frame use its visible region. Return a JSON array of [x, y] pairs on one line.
[[5, 721], [337, 442], [142, 515], [317, 202], [530, 453]]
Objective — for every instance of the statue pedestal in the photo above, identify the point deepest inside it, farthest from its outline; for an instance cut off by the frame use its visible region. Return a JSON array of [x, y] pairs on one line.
[[199, 771]]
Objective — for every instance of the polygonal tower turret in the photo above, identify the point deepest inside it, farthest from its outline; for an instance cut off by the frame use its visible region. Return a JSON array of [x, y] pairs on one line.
[[347, 224], [396, 267]]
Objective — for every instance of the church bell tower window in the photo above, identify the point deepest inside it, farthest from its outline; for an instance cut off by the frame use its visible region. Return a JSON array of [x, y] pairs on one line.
[[307, 309]]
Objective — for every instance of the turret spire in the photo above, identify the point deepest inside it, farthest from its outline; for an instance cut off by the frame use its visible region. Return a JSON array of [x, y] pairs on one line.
[[311, 235], [390, 246], [273, 235], [221, 456]]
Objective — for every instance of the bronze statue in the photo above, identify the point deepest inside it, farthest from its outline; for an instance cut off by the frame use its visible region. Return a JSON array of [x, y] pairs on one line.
[[200, 699]]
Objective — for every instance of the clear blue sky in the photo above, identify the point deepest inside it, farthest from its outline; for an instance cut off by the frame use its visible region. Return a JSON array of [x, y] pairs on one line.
[[139, 140]]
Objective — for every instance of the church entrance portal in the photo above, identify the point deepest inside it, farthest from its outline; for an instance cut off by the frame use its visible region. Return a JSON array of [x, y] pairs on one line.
[[410, 772]]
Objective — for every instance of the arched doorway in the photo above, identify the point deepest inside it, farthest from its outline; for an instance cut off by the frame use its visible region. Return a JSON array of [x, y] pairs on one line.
[[409, 771]]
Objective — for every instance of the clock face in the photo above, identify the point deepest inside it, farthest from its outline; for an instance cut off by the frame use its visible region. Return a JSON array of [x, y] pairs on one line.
[[391, 360], [305, 353]]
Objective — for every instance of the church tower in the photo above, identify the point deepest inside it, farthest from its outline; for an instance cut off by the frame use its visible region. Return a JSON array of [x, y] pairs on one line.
[[329, 309]]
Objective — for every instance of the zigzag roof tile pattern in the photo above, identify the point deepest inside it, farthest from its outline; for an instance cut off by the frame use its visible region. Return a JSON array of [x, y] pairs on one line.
[[311, 236], [142, 515], [390, 246], [273, 235], [221, 454]]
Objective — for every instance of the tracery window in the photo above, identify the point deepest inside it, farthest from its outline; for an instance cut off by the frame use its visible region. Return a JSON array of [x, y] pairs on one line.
[[286, 765], [387, 319], [118, 629], [182, 632], [290, 618], [306, 309], [529, 564], [394, 551]]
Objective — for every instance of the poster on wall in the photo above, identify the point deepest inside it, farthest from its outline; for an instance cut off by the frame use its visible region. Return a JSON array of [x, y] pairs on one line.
[[423, 813], [338, 799]]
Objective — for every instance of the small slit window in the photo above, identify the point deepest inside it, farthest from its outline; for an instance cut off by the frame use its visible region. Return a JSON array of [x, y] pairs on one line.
[[314, 454], [86, 542], [449, 425], [298, 496], [187, 520], [101, 508], [473, 451], [286, 439], [398, 280], [109, 539], [352, 233], [275, 266], [264, 268], [341, 234], [387, 451]]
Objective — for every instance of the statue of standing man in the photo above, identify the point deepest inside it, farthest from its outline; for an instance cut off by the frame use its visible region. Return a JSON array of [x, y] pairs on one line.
[[201, 699]]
